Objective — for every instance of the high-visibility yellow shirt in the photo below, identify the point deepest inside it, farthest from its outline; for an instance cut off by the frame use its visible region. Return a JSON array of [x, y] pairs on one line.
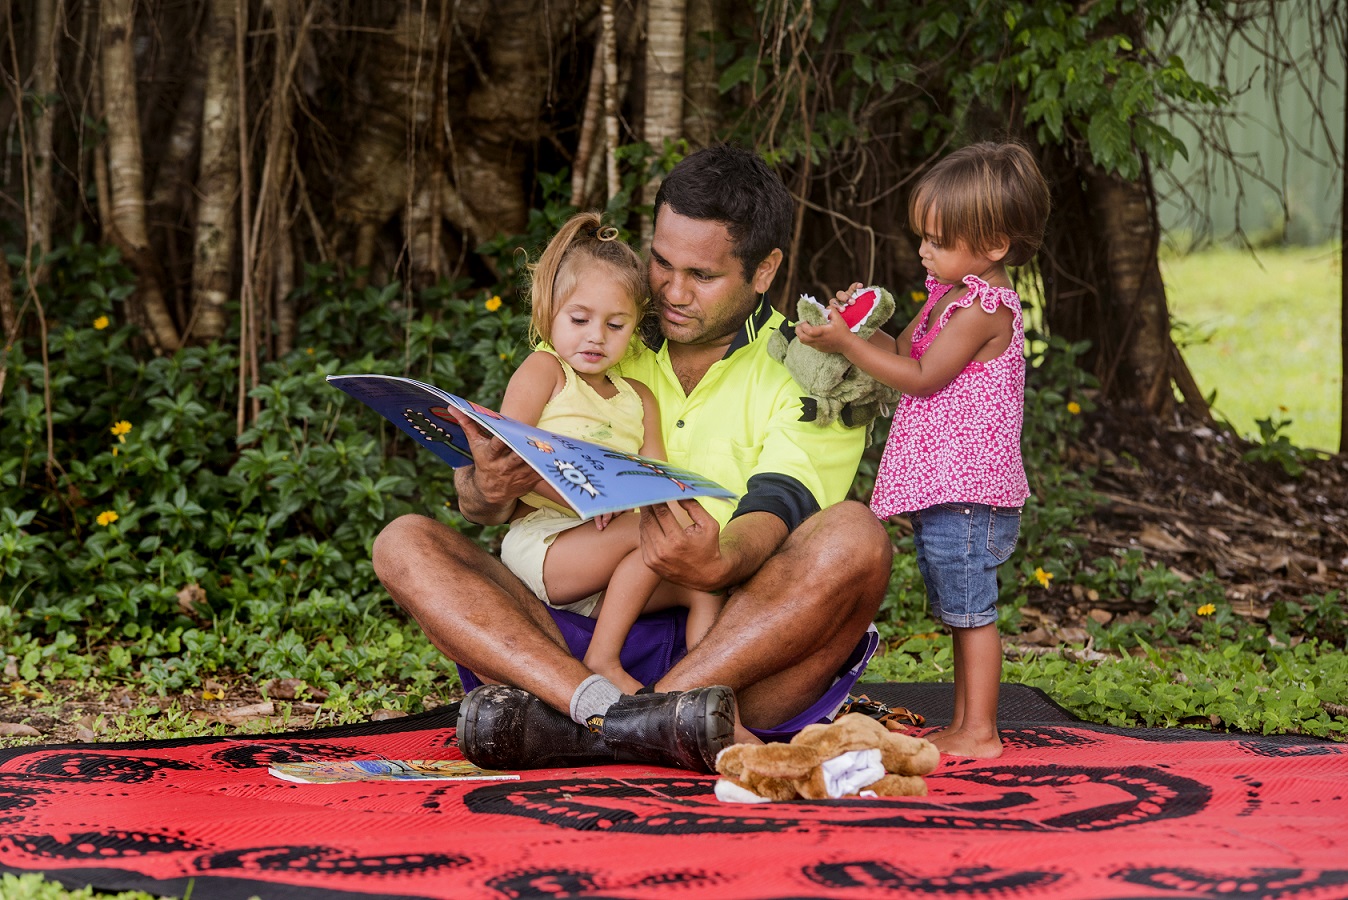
[[743, 420]]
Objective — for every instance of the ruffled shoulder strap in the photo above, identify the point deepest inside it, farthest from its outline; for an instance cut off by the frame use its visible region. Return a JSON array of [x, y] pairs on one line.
[[989, 298]]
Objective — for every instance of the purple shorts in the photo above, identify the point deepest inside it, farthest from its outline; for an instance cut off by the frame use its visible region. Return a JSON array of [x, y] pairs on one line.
[[656, 643]]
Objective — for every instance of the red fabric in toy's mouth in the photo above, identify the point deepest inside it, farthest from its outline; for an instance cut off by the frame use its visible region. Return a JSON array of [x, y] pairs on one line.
[[862, 303], [1070, 810]]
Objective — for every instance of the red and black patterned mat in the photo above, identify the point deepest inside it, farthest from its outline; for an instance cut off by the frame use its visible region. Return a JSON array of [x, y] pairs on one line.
[[1070, 810]]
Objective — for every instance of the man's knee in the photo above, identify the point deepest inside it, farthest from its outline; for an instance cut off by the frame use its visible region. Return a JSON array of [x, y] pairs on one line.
[[412, 541], [848, 536]]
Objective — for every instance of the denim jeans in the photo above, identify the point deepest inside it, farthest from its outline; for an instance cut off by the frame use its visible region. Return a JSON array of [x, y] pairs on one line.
[[959, 547]]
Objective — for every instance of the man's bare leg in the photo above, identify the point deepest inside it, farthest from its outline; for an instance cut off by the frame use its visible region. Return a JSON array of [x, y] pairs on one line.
[[474, 610], [784, 634], [479, 614]]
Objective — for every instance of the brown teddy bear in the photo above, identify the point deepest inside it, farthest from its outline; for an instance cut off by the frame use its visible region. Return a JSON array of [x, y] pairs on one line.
[[853, 756]]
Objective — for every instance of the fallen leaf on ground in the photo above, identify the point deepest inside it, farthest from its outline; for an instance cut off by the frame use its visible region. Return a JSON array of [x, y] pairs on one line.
[[18, 729], [248, 713], [283, 688]]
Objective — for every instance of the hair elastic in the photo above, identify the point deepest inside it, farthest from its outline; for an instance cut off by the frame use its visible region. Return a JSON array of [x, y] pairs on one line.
[[606, 233]]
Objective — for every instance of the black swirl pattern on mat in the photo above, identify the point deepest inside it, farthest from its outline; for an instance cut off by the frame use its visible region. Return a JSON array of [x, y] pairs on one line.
[[104, 767], [876, 875], [1273, 750], [299, 858], [102, 845], [687, 806], [1259, 882], [1045, 738], [260, 753], [15, 798], [559, 884]]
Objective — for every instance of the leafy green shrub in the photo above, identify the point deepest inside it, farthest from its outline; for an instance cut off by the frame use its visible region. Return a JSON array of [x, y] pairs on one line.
[[174, 546]]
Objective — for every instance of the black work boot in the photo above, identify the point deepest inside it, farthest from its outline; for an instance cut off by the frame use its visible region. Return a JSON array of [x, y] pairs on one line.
[[684, 729], [503, 727]]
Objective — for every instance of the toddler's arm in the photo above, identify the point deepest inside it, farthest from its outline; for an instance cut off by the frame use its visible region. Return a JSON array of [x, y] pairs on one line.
[[959, 343]]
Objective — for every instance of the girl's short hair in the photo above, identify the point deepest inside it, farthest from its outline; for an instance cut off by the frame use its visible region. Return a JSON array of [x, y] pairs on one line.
[[981, 194], [583, 239]]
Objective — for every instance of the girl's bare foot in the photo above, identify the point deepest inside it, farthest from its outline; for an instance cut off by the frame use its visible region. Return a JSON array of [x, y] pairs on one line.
[[967, 744]]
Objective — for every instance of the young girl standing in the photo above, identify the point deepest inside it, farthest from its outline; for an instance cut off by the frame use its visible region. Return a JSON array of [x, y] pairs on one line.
[[953, 460], [588, 297]]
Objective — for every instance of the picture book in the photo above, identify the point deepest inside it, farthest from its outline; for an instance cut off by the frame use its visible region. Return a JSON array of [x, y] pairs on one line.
[[338, 771], [591, 478]]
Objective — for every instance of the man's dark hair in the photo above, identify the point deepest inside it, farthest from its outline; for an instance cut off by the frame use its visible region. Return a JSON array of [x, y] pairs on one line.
[[735, 187]]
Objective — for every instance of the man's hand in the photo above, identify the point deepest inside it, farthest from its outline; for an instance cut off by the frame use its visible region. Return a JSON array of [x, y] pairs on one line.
[[681, 543], [497, 478]]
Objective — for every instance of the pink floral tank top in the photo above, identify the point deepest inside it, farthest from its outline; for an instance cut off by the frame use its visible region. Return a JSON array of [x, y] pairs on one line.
[[962, 443]]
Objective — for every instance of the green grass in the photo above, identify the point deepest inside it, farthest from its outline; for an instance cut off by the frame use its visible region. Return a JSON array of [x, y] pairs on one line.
[[1262, 330]]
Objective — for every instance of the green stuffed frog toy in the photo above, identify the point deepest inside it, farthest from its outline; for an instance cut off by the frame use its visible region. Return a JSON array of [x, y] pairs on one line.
[[837, 390]]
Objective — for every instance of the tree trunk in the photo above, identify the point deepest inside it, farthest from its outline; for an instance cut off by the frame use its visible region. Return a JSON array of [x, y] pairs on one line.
[[608, 34], [590, 118], [47, 15], [1103, 284], [218, 184], [172, 195], [702, 95], [504, 114], [663, 121], [126, 179], [373, 182]]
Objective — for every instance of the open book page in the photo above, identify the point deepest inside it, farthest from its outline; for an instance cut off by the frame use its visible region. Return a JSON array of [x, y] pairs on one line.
[[338, 771], [591, 478]]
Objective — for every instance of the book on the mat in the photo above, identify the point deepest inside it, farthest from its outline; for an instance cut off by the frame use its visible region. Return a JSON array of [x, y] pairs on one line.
[[338, 771], [591, 478]]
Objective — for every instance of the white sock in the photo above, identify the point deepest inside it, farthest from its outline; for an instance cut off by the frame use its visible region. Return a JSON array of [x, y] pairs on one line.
[[593, 698]]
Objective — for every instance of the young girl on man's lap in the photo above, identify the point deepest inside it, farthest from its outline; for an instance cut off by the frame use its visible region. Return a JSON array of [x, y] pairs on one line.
[[953, 462], [588, 297]]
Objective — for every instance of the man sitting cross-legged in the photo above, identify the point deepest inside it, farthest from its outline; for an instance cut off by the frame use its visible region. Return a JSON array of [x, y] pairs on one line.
[[804, 571]]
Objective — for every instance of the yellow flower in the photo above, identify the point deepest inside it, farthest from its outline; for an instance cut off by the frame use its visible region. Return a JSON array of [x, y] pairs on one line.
[[309, 350], [107, 517], [1043, 577], [1074, 407], [493, 304], [503, 357], [919, 296], [120, 429], [101, 322], [1207, 609], [115, 448]]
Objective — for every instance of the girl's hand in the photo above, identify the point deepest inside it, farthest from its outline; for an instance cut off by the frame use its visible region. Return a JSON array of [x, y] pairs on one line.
[[831, 337], [601, 521], [844, 299]]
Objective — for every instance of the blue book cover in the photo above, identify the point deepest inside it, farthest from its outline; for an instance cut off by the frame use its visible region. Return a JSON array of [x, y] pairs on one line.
[[592, 478]]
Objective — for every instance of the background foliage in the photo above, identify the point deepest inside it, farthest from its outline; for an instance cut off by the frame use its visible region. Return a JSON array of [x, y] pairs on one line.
[[159, 530]]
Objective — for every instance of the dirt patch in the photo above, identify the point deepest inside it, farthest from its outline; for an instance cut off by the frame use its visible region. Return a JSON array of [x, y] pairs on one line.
[[1187, 497]]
